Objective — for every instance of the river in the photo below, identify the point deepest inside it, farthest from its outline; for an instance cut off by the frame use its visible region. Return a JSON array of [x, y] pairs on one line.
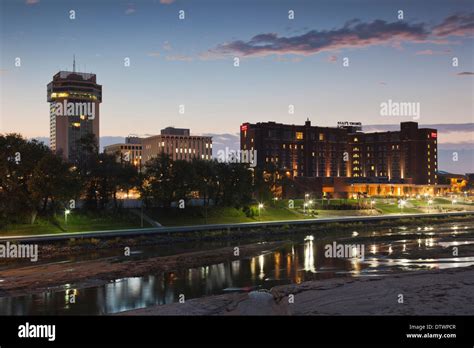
[[387, 250]]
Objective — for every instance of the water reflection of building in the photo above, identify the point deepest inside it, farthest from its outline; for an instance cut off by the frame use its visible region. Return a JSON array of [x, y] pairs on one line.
[[309, 256]]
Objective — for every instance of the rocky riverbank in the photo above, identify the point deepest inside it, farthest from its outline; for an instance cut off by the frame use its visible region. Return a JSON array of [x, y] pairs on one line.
[[41, 277], [439, 292]]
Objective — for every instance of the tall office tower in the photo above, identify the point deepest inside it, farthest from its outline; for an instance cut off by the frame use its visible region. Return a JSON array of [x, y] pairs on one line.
[[74, 99]]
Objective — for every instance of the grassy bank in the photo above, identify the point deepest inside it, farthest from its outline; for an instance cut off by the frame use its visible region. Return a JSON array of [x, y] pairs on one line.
[[80, 221], [77, 221]]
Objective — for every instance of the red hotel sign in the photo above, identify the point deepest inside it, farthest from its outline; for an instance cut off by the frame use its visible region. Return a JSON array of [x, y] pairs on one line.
[[434, 135], [243, 127]]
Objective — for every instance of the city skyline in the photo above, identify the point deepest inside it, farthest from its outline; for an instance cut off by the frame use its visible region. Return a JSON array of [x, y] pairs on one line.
[[404, 60]]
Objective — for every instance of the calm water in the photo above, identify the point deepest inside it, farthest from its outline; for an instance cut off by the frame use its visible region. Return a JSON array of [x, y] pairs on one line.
[[401, 249]]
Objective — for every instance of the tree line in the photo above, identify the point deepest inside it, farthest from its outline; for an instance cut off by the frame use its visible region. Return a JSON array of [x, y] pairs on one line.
[[35, 181]]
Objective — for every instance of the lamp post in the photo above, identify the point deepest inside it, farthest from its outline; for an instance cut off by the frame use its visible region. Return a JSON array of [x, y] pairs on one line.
[[304, 207], [430, 201], [402, 204], [66, 213], [372, 202], [260, 206]]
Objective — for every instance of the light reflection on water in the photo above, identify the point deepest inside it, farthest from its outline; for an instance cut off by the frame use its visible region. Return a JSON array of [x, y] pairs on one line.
[[300, 261]]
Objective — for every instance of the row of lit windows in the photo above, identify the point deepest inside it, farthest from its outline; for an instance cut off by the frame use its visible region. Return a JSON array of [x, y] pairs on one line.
[[180, 150], [293, 146]]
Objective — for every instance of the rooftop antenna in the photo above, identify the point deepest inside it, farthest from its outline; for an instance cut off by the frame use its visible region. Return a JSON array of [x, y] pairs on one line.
[[74, 63]]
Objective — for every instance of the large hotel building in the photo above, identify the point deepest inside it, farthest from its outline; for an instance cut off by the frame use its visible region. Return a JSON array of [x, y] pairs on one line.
[[74, 99], [347, 159]]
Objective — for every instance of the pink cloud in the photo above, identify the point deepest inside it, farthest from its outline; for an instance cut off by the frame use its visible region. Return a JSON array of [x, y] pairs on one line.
[[353, 34], [166, 2], [431, 52], [456, 25], [180, 58], [31, 2]]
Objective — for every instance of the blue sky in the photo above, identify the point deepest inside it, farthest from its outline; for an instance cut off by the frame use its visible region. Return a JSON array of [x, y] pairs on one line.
[[190, 61]]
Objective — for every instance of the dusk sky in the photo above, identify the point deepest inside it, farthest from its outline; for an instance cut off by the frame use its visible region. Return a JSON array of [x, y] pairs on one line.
[[283, 61]]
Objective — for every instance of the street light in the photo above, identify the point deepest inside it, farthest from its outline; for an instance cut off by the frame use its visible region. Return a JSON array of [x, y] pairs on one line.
[[304, 207], [430, 201], [260, 206], [66, 213], [402, 204], [372, 202]]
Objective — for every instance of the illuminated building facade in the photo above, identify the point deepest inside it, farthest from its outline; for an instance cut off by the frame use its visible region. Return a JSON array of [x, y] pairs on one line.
[[299, 150], [177, 143], [409, 155], [130, 151], [354, 158], [74, 99]]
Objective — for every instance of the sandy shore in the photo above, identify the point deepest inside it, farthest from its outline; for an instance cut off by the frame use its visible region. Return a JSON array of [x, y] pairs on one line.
[[440, 292], [38, 278]]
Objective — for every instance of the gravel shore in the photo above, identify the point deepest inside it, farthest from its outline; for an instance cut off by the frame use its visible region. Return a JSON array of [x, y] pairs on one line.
[[439, 292], [38, 278]]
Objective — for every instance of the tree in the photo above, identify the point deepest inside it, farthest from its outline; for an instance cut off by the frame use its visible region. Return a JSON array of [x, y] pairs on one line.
[[30, 177], [158, 180], [53, 183], [105, 178]]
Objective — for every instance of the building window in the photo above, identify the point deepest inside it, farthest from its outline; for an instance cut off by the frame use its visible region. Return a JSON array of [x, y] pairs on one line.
[[321, 136], [299, 135]]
